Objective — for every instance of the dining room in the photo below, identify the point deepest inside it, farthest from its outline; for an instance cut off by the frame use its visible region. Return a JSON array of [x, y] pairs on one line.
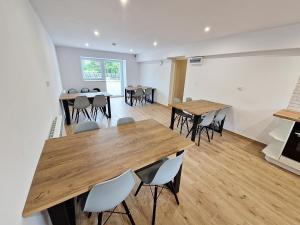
[[127, 112]]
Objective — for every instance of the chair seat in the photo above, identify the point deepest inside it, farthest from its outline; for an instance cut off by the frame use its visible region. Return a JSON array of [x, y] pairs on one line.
[[146, 175]]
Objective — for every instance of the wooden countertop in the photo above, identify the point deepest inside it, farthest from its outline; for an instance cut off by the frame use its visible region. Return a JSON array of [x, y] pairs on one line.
[[200, 107], [288, 114], [72, 165]]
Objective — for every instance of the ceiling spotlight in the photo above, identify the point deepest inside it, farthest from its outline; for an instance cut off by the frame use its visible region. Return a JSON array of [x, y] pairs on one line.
[[206, 29], [155, 43], [131, 50], [96, 32], [87, 44], [124, 2]]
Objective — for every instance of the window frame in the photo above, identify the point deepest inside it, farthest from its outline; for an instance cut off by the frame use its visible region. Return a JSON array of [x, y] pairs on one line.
[[101, 60]]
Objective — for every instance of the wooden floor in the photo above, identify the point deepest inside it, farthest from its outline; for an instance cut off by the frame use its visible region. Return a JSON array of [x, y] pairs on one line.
[[223, 182]]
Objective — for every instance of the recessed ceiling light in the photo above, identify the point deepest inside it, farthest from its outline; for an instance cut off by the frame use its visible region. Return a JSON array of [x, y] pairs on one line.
[[207, 29], [97, 33], [124, 2], [87, 44], [155, 43], [131, 50]]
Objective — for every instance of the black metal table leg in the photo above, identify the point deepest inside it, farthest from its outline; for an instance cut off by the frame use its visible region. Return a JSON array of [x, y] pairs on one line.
[[131, 93], [125, 94], [172, 118], [67, 111], [108, 107], [152, 98], [194, 128], [63, 213], [177, 178]]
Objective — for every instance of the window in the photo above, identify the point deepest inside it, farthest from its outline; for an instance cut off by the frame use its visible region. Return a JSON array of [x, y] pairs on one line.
[[94, 69]]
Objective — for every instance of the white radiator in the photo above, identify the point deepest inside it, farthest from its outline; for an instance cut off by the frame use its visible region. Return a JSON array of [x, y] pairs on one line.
[[57, 128]]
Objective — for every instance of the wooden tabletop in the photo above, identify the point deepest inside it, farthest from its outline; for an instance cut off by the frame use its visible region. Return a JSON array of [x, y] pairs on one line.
[[89, 95], [72, 165], [200, 107], [288, 114], [135, 88]]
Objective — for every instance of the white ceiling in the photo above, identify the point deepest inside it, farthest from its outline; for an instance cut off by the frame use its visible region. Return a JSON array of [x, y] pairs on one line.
[[170, 22]]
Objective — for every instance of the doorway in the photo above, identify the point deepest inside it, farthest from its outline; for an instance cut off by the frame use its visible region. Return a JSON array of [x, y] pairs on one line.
[[179, 75]]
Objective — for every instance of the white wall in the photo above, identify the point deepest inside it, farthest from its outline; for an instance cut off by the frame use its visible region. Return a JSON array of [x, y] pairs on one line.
[[157, 75], [256, 87], [70, 67], [27, 62], [264, 64]]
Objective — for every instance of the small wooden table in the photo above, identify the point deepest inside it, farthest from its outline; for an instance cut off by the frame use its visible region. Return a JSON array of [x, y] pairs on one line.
[[65, 98], [196, 108], [288, 114], [70, 166], [131, 90]]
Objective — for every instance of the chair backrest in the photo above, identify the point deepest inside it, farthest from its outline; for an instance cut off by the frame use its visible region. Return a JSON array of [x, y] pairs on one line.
[[81, 102], [168, 170], [109, 194], [72, 91], [85, 90], [139, 85], [97, 89], [86, 126], [130, 86], [139, 92], [208, 119], [220, 115], [148, 91], [176, 100], [99, 101], [125, 120], [188, 99]]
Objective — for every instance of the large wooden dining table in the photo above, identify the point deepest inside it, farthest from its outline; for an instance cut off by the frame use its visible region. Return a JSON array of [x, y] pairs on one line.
[[66, 98], [197, 108], [70, 166]]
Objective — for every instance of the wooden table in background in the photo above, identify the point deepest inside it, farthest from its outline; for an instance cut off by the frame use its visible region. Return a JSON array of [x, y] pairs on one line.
[[70, 166], [196, 108], [130, 91], [65, 98]]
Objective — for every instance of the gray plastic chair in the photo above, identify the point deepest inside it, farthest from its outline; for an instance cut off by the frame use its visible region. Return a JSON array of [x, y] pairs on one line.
[[71, 102], [218, 122], [109, 194], [148, 94], [99, 103], [81, 103], [206, 124], [160, 174], [138, 95], [86, 126], [85, 90], [125, 120], [188, 99]]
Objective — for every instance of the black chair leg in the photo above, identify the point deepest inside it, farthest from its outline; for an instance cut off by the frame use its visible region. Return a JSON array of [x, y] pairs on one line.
[[154, 205], [128, 212], [100, 215], [87, 114], [200, 131], [207, 134], [138, 189], [171, 185], [89, 215], [179, 119], [73, 109]]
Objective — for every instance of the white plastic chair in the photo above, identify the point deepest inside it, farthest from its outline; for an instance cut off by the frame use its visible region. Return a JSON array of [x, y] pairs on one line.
[[109, 194], [85, 126], [125, 120], [138, 95], [161, 173]]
